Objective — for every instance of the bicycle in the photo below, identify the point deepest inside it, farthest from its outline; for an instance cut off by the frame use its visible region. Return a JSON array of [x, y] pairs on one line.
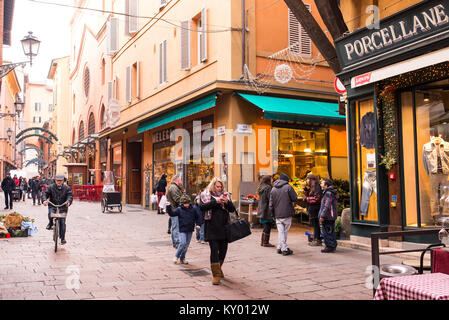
[[56, 216]]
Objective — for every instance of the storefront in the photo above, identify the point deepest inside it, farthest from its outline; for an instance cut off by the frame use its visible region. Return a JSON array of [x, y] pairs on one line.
[[398, 112], [237, 137]]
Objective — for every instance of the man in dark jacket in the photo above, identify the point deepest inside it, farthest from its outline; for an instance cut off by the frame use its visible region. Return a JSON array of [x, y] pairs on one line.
[[36, 190], [58, 193], [8, 185], [328, 214], [282, 197]]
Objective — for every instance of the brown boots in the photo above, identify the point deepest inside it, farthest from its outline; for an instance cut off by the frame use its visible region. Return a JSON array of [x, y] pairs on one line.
[[216, 273], [265, 242]]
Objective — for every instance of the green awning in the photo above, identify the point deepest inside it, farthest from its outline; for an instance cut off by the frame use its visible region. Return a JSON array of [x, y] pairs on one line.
[[296, 110], [178, 113]]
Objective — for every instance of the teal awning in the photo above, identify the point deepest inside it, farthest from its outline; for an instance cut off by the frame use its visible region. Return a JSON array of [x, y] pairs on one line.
[[178, 113], [296, 110]]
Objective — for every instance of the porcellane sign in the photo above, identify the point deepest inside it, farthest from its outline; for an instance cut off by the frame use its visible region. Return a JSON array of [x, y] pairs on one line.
[[426, 20]]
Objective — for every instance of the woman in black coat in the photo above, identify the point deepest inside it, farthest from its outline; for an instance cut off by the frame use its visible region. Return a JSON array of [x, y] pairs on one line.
[[263, 209], [216, 203], [313, 197], [160, 191]]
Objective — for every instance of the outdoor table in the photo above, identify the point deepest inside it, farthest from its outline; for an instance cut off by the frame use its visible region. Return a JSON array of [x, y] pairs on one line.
[[431, 286]]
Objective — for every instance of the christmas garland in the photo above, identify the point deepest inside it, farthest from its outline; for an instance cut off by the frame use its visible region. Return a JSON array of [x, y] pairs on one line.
[[387, 102], [389, 158]]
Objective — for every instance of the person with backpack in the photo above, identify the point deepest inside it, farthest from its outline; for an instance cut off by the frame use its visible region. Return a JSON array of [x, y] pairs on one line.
[[328, 214]]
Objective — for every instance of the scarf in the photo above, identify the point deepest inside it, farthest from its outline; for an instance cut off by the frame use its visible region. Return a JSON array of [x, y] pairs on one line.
[[206, 196]]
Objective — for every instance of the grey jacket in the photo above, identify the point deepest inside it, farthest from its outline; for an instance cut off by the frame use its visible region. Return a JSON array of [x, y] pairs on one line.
[[430, 157], [329, 205], [282, 197]]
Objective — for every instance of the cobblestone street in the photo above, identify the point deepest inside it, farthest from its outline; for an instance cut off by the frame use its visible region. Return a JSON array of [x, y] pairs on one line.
[[128, 256]]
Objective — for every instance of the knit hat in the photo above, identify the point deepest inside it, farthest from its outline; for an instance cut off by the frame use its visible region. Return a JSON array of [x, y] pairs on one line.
[[184, 199], [284, 177]]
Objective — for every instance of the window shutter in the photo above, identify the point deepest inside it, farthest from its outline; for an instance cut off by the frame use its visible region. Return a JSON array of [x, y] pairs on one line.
[[133, 12], [138, 80], [115, 88], [185, 45], [299, 41], [163, 62], [112, 36], [110, 90], [203, 36], [306, 41], [128, 83]]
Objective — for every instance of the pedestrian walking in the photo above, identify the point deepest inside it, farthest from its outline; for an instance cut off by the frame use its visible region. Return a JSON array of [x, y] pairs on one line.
[[313, 195], [263, 209], [8, 185], [328, 214], [216, 204], [24, 188], [174, 193], [36, 190], [282, 197], [199, 231], [188, 217], [161, 186]]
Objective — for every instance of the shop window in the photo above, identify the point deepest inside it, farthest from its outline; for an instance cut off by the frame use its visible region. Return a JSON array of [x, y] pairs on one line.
[[162, 162], [366, 179], [303, 151], [117, 164], [425, 141]]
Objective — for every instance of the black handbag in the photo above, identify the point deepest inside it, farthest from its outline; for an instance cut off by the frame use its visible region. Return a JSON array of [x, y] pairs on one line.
[[237, 230]]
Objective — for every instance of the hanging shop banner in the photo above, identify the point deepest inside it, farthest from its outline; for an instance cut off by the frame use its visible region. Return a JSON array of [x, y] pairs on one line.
[[415, 27]]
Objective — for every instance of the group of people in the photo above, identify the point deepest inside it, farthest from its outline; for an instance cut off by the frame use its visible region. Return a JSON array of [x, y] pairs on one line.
[[208, 215], [276, 205], [31, 189]]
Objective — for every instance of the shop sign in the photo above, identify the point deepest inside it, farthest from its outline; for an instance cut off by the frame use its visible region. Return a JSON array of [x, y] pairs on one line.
[[244, 128], [339, 87], [221, 131], [206, 126], [412, 27], [163, 135]]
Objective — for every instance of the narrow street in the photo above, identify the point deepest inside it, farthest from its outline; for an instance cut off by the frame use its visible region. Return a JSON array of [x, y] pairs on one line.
[[128, 256]]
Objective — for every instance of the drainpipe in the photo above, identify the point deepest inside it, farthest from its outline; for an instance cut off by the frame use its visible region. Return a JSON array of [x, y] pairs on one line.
[[243, 40]]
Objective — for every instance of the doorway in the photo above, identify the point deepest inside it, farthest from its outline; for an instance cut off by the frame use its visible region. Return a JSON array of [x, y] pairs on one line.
[[134, 160]]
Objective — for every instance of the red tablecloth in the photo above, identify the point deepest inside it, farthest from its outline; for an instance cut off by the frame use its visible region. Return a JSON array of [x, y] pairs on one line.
[[431, 286]]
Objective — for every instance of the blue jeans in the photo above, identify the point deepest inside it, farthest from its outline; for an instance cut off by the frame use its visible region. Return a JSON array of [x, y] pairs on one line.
[[200, 233], [174, 231], [329, 233], [183, 245], [369, 185]]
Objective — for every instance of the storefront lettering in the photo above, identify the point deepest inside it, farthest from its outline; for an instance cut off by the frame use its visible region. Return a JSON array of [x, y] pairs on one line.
[[397, 32]]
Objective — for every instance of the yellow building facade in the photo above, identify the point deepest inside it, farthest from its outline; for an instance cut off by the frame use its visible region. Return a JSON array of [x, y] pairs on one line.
[[201, 96]]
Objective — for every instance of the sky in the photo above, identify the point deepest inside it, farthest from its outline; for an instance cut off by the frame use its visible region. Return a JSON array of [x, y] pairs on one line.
[[50, 24]]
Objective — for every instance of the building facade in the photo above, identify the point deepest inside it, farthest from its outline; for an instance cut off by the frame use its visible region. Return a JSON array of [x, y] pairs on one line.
[[398, 100], [233, 90]]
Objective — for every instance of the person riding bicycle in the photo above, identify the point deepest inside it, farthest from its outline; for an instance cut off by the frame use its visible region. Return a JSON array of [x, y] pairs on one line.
[[58, 193]]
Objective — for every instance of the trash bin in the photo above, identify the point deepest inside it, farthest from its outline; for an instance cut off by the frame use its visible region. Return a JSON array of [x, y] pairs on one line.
[[392, 270]]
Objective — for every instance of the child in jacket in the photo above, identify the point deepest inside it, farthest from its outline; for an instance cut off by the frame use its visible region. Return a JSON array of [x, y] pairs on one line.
[[188, 218]]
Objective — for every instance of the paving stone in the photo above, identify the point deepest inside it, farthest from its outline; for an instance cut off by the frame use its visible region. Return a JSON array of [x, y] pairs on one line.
[[114, 264]]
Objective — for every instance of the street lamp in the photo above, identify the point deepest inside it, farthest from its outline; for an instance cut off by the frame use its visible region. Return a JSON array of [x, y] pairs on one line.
[[30, 46], [19, 106]]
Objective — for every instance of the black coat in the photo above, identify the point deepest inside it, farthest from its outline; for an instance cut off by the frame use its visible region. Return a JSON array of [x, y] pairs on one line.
[[36, 186], [214, 229], [263, 207], [58, 195], [8, 184], [162, 184]]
